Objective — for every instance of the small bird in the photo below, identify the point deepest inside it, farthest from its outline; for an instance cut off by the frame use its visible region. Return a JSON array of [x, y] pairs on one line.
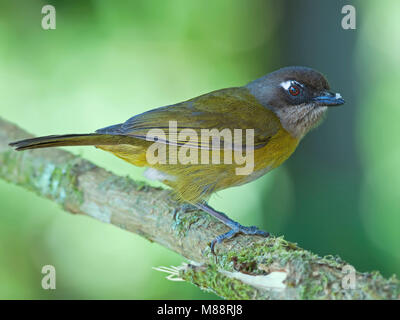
[[278, 109]]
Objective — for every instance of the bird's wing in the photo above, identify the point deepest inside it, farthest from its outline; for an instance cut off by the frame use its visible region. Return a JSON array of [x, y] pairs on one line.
[[232, 108]]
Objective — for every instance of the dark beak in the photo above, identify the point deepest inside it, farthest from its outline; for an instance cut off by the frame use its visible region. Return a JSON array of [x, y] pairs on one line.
[[329, 99]]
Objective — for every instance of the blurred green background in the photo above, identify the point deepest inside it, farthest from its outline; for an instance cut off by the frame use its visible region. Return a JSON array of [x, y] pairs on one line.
[[107, 60]]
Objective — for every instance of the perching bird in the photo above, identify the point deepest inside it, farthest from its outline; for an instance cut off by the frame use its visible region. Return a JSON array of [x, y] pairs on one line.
[[279, 109]]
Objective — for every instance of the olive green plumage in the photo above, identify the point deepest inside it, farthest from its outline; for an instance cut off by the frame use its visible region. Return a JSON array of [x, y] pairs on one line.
[[278, 109]]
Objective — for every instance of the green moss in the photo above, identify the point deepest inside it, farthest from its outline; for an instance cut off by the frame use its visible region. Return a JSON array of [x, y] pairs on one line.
[[313, 277], [58, 182], [208, 278], [271, 250], [183, 220]]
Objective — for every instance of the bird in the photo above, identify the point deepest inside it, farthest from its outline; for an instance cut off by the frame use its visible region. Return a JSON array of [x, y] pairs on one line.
[[277, 110]]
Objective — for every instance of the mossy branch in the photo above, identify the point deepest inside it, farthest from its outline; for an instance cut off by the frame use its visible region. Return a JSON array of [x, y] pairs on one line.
[[247, 267]]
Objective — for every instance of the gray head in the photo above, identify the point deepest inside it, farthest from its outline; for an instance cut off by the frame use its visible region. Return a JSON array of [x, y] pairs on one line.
[[299, 96]]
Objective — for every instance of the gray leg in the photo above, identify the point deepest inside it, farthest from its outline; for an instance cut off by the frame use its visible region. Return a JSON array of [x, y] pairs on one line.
[[235, 226]]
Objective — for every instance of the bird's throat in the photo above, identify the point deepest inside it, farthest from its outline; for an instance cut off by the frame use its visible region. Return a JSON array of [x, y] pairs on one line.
[[299, 120]]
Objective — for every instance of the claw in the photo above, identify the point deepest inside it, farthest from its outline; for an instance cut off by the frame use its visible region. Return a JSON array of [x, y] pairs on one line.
[[233, 225], [238, 228], [184, 208]]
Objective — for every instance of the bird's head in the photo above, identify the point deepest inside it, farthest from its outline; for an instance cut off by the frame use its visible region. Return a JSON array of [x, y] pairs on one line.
[[299, 96]]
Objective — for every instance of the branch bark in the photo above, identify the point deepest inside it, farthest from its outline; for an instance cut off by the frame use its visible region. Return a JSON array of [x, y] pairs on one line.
[[247, 267]]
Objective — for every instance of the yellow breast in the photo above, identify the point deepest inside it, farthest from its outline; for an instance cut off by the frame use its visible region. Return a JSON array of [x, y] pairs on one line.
[[278, 149]]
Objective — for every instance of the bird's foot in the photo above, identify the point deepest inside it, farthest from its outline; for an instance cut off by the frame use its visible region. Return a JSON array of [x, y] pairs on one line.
[[235, 229], [184, 208]]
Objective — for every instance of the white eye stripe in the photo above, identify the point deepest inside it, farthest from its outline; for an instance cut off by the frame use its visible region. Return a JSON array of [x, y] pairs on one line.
[[287, 84]]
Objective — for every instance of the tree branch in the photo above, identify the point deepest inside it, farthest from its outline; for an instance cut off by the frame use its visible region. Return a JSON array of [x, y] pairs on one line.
[[247, 267]]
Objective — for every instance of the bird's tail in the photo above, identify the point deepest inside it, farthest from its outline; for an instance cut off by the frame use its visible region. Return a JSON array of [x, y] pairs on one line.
[[91, 139]]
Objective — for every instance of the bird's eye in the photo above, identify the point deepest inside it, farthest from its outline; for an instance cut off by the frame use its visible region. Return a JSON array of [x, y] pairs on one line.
[[294, 90]]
